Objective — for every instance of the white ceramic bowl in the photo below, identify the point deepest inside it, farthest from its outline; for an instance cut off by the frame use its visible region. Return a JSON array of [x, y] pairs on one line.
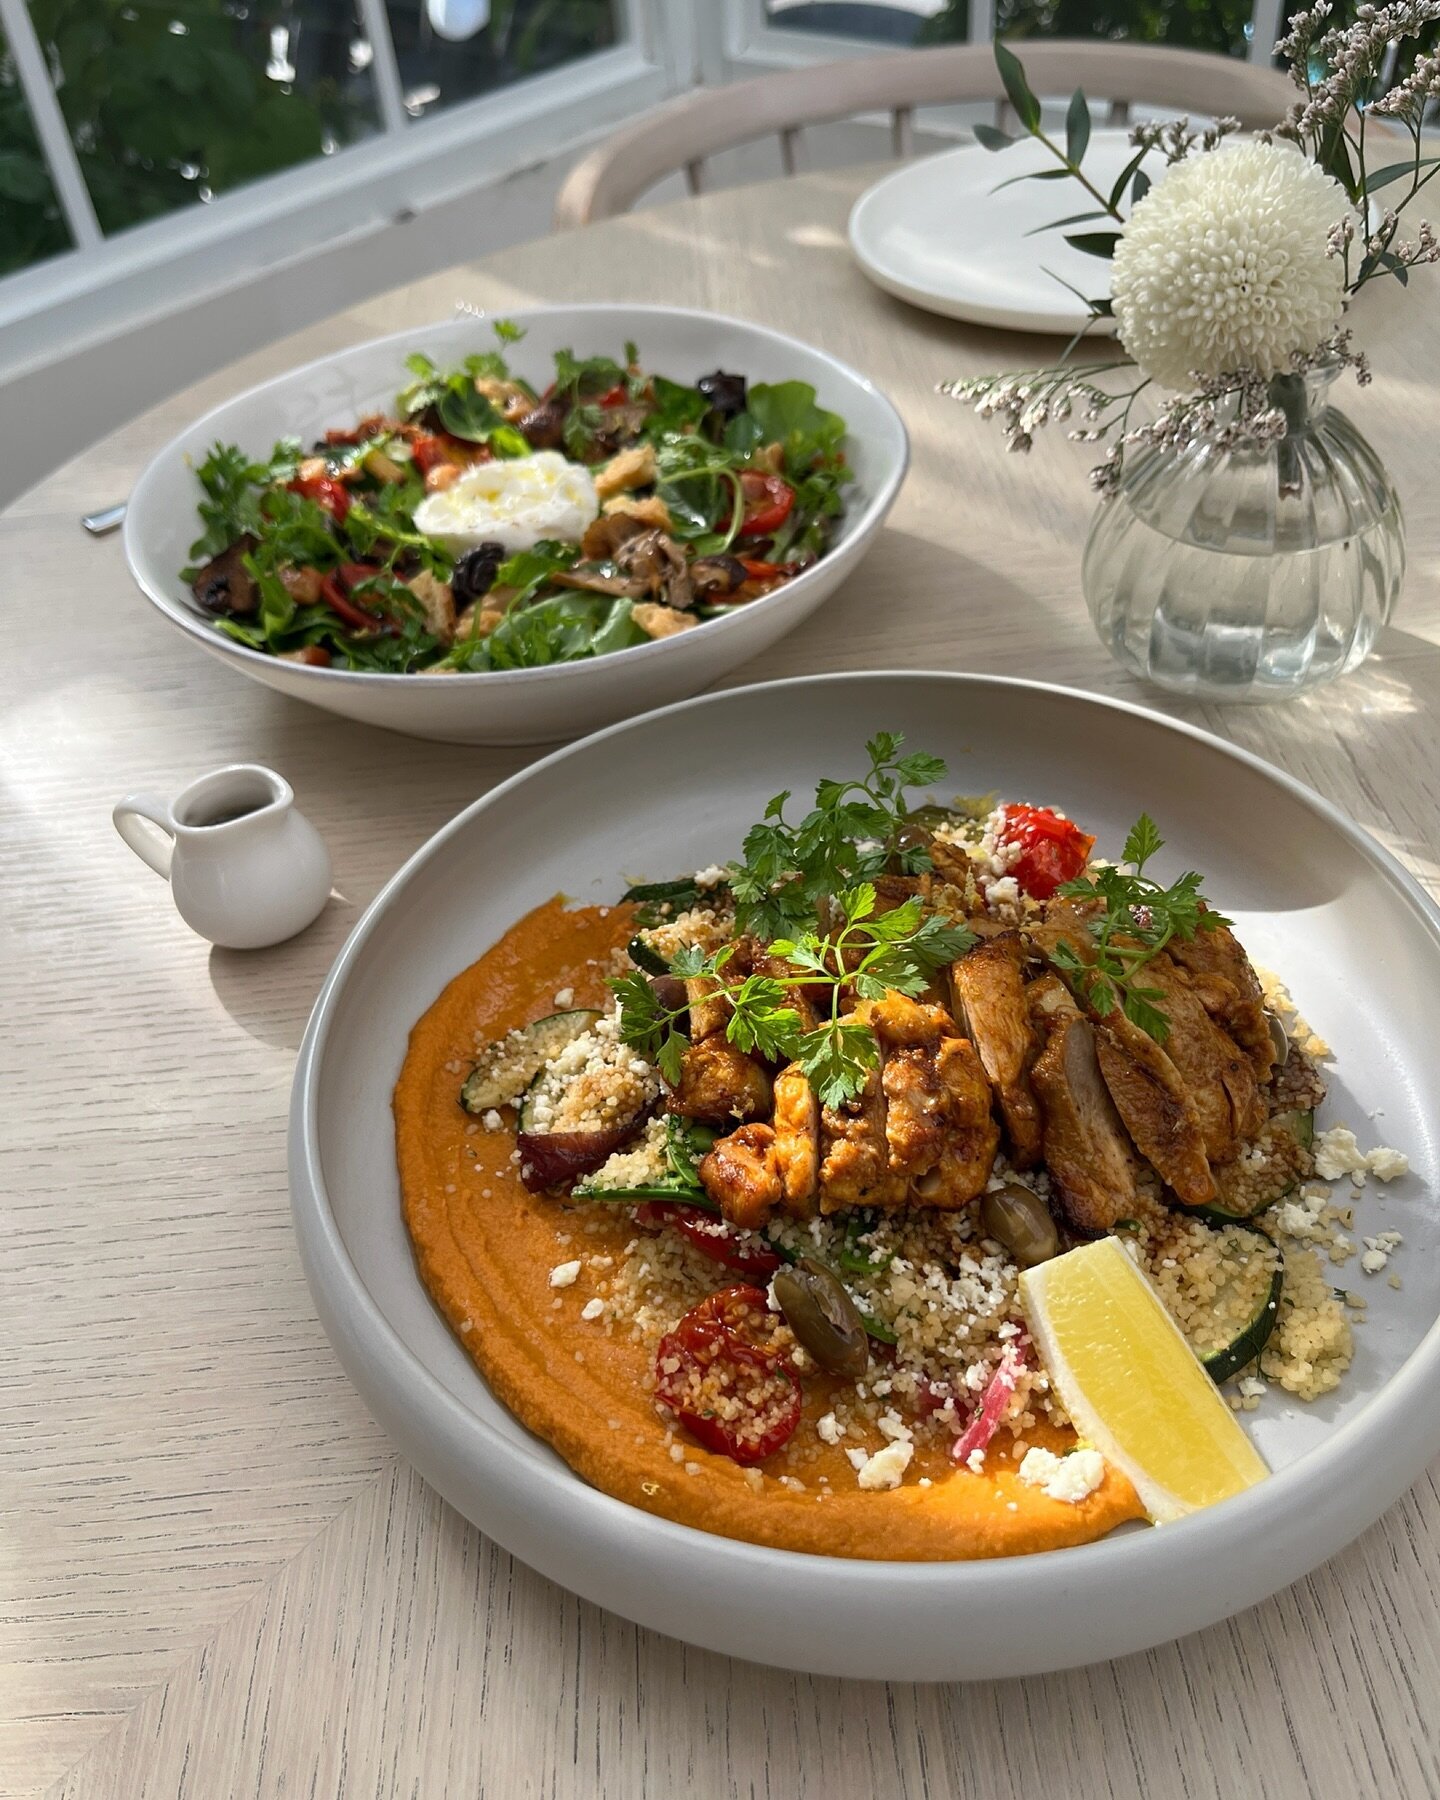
[[1313, 897], [522, 706]]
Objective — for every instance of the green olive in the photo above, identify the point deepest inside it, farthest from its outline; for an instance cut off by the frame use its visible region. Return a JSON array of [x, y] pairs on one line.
[[1016, 1216], [823, 1317]]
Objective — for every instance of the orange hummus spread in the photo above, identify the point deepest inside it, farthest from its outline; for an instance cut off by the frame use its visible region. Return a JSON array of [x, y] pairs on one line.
[[523, 1280]]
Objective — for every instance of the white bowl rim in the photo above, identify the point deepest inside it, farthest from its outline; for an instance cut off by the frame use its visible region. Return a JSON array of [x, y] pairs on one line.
[[853, 528], [1405, 1410]]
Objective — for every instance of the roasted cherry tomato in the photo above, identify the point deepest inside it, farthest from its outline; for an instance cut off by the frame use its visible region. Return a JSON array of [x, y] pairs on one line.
[[768, 500], [728, 1391], [1053, 850], [335, 597], [616, 396], [353, 573], [429, 450], [325, 491], [744, 1251], [766, 571]]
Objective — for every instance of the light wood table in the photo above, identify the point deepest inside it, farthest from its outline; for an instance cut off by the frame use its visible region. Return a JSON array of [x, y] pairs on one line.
[[216, 1577]]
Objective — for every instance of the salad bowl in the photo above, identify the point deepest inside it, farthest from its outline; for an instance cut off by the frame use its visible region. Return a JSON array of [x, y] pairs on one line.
[[560, 699], [1309, 893]]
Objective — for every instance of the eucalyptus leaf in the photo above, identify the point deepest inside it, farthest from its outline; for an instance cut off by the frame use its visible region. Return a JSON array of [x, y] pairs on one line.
[[1077, 128], [1122, 180], [1395, 171], [1012, 73], [1073, 219], [992, 138], [1139, 187], [1094, 243], [1057, 174]]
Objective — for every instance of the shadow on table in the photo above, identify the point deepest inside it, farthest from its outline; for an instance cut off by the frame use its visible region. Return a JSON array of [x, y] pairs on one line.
[[269, 993]]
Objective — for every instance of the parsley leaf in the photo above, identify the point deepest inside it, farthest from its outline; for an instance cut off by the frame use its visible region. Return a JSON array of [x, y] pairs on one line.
[[1135, 918]]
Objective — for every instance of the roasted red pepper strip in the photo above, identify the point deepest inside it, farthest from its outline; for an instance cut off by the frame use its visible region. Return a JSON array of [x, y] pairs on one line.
[[743, 1251], [768, 500], [325, 491], [1053, 850], [615, 396], [334, 596], [729, 1392]]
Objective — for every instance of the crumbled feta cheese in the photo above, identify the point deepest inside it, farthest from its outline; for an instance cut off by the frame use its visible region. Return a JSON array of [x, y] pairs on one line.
[[1338, 1153], [1070, 1478], [892, 1426], [1373, 1261], [565, 1274], [492, 1120], [886, 1468], [858, 1459], [592, 1309], [829, 1430], [711, 877], [1387, 1164], [975, 1462], [1251, 1387], [565, 997]]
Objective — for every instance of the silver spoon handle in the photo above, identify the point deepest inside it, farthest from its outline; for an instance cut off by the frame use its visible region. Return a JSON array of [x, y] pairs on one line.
[[108, 519]]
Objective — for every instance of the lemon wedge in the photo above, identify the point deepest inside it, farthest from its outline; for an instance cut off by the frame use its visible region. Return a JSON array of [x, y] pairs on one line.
[[1132, 1386]]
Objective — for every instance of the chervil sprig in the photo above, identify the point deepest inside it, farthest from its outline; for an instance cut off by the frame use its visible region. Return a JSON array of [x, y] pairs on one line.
[[868, 954], [853, 833], [1139, 919]]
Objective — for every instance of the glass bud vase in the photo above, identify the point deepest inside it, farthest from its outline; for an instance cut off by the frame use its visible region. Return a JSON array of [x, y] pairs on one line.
[[1253, 572]]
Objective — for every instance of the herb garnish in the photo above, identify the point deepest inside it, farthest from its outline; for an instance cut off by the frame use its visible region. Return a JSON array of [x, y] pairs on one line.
[[1139, 919], [789, 874], [854, 832]]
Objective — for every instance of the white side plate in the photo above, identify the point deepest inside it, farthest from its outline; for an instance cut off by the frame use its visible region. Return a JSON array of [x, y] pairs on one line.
[[941, 233]]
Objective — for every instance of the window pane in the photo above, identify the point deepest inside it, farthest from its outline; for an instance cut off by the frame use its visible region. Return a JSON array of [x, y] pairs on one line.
[[32, 226], [174, 101], [452, 50], [1191, 24], [894, 22]]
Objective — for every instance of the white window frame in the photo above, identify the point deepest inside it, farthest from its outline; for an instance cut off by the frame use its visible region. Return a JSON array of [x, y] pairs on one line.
[[406, 166], [745, 40]]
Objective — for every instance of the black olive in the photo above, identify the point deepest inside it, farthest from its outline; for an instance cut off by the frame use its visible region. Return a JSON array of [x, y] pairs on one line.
[[1016, 1216], [824, 1318], [726, 393], [475, 571]]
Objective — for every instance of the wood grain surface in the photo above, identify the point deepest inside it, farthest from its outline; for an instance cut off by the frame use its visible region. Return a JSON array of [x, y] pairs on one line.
[[216, 1578]]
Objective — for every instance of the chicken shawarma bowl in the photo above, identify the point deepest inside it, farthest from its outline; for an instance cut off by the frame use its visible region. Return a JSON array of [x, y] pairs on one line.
[[919, 1184]]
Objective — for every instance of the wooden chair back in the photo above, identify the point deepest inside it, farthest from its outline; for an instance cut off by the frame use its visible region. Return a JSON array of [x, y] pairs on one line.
[[684, 132]]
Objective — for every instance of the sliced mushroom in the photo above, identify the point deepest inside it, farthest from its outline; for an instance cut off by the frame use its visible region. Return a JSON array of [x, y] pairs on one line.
[[224, 585], [599, 581], [713, 577], [660, 563], [604, 536], [544, 428]]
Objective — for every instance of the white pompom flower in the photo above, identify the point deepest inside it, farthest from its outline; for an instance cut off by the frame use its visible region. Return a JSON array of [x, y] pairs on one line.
[[1225, 264]]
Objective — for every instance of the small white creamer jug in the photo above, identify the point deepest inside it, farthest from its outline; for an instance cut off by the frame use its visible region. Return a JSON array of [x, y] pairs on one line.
[[246, 868]]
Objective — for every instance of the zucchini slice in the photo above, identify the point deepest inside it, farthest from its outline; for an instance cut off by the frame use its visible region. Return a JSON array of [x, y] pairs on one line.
[[511, 1064], [1261, 1290], [657, 901], [646, 957], [676, 1170], [1276, 1164]]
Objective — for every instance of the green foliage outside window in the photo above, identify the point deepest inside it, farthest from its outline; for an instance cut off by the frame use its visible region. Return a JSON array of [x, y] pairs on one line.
[[1187, 24]]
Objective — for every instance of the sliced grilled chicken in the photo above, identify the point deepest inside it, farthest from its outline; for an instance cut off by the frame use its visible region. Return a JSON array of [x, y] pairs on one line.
[[917, 1110], [989, 985], [1229, 990], [1152, 1101], [855, 1155], [797, 1141], [971, 1135], [1090, 1163], [1218, 1076], [740, 1176], [710, 1009], [719, 1082]]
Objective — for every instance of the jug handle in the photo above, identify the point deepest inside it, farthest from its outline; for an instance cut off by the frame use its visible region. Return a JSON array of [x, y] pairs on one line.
[[134, 816]]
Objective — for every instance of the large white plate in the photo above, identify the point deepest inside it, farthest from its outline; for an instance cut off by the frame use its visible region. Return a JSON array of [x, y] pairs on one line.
[[1312, 895], [520, 706], [939, 234]]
